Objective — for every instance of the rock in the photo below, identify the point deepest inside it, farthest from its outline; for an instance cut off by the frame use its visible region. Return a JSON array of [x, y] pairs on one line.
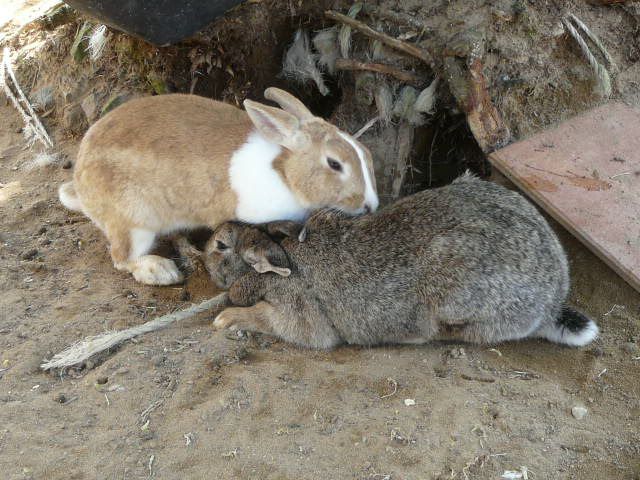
[[409, 402], [89, 106], [102, 380], [630, 347], [74, 120], [29, 254], [579, 412]]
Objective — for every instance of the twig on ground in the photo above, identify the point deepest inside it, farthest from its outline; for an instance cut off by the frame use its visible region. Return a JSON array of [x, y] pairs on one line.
[[406, 77], [614, 307], [619, 175], [151, 459], [382, 37], [90, 346], [478, 378], [144, 416]]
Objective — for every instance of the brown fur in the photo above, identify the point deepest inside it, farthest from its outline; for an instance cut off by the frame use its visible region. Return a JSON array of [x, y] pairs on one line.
[[158, 164]]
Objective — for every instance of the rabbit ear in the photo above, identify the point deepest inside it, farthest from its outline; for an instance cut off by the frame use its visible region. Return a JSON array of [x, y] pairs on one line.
[[275, 125], [269, 258], [288, 102], [284, 228]]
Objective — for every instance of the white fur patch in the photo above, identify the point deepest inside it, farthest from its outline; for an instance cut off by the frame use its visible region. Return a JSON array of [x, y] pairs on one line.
[[370, 196], [68, 197], [579, 339], [155, 270], [141, 242], [262, 194]]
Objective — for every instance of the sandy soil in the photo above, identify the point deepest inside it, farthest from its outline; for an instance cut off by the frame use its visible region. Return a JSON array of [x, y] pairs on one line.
[[190, 402]]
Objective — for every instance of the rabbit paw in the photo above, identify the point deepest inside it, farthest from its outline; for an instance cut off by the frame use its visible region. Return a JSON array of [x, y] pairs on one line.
[[223, 321], [240, 318], [155, 270]]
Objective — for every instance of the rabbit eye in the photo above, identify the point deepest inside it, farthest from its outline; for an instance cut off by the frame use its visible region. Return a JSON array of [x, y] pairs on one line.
[[334, 164], [221, 247]]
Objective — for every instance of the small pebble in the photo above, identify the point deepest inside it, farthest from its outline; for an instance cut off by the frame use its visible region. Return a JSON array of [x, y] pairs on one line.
[[409, 402], [102, 380], [457, 353], [60, 398], [579, 412]]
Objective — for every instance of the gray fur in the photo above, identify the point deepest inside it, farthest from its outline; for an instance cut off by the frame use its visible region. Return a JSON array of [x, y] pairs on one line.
[[471, 261]]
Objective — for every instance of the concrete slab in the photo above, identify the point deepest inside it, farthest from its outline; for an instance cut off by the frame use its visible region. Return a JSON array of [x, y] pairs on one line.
[[586, 174]]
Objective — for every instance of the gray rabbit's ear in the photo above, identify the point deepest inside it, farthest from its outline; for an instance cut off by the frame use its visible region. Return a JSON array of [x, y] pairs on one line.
[[268, 258]]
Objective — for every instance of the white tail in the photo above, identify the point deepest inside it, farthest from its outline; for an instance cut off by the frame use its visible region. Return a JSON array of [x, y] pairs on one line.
[[68, 197]]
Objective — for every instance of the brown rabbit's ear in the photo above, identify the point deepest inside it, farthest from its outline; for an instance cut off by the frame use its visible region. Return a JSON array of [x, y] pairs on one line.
[[275, 125], [288, 102], [268, 258]]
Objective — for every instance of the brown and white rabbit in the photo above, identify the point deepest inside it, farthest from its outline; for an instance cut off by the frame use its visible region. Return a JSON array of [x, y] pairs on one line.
[[470, 261], [165, 163]]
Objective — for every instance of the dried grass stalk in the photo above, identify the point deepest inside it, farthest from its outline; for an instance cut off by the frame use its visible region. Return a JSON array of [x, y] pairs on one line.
[[84, 349], [33, 128], [603, 80]]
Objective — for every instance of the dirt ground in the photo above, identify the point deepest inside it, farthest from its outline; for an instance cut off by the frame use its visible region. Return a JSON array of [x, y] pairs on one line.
[[189, 402]]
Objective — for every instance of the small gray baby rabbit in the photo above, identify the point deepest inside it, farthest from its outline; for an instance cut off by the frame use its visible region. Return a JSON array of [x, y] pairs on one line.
[[471, 261]]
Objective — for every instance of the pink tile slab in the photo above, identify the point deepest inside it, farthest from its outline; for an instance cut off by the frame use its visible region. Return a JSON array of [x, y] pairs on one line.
[[586, 174]]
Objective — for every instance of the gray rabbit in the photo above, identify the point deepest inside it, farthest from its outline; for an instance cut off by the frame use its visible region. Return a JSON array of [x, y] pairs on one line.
[[471, 261]]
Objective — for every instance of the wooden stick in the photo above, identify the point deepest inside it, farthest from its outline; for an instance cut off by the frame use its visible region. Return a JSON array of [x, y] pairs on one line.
[[90, 346], [350, 64], [384, 38]]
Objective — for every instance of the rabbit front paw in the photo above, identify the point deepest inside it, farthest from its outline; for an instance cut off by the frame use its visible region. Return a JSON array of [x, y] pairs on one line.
[[155, 270], [241, 318]]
